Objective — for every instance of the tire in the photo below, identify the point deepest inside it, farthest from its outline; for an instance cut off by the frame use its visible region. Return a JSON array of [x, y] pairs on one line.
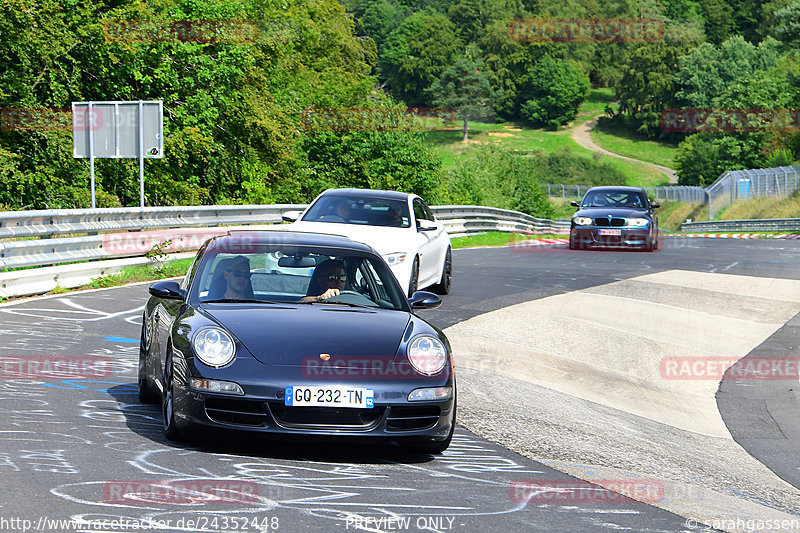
[[572, 244], [443, 287], [414, 281], [146, 391], [648, 245], [655, 244], [168, 403]]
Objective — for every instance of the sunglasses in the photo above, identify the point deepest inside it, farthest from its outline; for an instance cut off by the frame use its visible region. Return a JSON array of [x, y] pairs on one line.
[[240, 273], [337, 277]]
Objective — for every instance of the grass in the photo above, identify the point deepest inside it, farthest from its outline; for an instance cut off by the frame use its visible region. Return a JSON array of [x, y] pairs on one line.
[[761, 208], [631, 145], [672, 214], [496, 238], [526, 140], [136, 273]]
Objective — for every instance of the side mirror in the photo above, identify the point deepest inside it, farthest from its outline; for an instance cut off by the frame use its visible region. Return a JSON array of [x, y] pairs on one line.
[[168, 290], [291, 216], [424, 300], [420, 227], [574, 203], [653, 205]]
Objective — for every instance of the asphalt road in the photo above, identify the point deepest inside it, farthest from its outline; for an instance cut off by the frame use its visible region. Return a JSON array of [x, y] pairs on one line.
[[86, 450]]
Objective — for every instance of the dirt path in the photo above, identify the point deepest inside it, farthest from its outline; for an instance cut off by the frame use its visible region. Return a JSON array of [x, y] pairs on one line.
[[581, 136]]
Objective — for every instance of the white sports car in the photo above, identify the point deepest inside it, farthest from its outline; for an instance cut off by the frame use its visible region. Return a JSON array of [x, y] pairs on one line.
[[399, 226]]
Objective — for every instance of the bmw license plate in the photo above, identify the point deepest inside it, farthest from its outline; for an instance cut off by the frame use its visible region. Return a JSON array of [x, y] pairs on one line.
[[329, 397], [616, 232]]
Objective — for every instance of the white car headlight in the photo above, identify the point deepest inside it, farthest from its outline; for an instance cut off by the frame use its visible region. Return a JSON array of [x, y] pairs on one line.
[[638, 221], [213, 346], [427, 355], [395, 258], [582, 221]]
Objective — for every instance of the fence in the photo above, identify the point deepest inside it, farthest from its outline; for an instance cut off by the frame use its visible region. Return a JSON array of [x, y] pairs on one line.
[[678, 193], [122, 236], [777, 182]]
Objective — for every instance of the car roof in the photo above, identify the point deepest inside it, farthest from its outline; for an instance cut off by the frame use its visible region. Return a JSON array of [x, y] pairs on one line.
[[368, 193], [621, 188], [296, 238]]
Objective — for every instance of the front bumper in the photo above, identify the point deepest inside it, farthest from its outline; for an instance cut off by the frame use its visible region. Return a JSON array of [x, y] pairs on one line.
[[591, 236], [262, 409]]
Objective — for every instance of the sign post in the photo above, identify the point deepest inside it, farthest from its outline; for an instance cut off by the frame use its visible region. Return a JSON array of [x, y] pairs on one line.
[[118, 130]]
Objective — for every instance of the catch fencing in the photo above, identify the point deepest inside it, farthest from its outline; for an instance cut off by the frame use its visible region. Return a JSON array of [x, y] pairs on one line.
[[677, 193], [776, 182]]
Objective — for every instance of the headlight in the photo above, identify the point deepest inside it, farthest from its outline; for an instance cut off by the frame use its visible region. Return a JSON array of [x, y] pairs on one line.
[[638, 221], [582, 221], [214, 347], [395, 258], [427, 355]]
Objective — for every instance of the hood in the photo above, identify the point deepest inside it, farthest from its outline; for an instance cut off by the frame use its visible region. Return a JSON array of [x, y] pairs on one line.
[[285, 335], [615, 212], [384, 239]]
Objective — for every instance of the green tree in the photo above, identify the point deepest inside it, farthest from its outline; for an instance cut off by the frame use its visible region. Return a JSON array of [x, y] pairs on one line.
[[464, 87], [417, 53], [552, 92]]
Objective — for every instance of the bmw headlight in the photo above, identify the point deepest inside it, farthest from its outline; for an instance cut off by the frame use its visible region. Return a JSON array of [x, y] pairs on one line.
[[395, 258], [638, 221], [582, 221], [427, 355], [214, 347]]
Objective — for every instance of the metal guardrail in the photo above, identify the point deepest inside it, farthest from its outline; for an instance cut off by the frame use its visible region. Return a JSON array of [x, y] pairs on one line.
[[146, 229], [68, 221], [122, 236], [745, 226]]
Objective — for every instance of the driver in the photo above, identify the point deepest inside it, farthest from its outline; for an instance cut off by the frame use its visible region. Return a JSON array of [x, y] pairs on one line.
[[328, 279]]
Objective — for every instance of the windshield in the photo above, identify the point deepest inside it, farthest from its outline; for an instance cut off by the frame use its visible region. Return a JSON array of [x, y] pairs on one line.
[[295, 274], [632, 199], [359, 210]]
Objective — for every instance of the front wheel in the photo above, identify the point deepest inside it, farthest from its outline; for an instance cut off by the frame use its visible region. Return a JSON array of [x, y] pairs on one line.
[[443, 287], [145, 388], [168, 403], [412, 284]]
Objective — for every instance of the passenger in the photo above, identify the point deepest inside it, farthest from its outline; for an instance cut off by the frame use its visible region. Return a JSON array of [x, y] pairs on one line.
[[327, 281], [232, 279]]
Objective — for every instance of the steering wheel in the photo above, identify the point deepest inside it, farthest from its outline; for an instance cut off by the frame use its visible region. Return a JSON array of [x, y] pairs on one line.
[[353, 297]]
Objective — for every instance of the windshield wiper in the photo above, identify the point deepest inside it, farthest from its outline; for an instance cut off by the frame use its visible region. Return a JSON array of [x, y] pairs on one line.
[[239, 300]]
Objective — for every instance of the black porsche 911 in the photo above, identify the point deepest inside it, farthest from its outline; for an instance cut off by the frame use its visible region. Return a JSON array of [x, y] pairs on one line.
[[618, 217], [280, 332]]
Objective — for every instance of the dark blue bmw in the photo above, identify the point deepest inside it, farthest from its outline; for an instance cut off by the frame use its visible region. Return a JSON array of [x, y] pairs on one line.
[[280, 332], [618, 217]]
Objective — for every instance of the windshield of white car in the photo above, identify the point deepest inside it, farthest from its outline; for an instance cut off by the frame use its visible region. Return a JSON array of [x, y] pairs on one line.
[[359, 210]]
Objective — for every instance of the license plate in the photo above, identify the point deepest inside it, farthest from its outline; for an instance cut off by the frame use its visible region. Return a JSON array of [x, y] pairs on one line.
[[329, 397], [616, 232]]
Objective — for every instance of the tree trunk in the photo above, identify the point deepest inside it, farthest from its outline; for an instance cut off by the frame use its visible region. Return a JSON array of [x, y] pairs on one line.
[[466, 130]]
